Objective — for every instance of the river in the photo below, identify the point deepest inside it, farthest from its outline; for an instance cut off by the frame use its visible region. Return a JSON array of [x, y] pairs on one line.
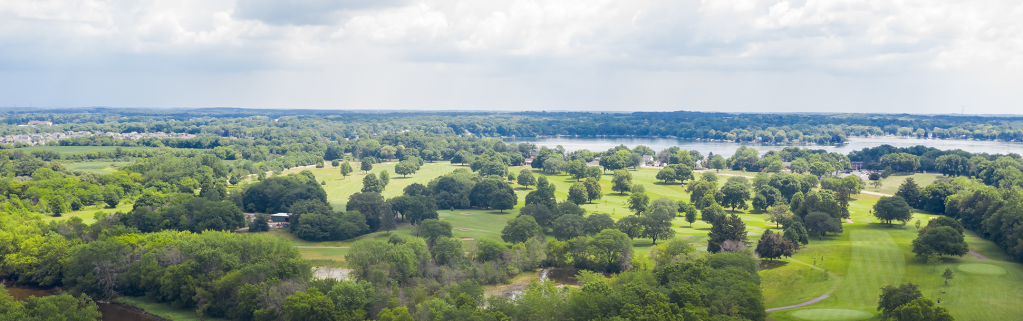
[[728, 148]]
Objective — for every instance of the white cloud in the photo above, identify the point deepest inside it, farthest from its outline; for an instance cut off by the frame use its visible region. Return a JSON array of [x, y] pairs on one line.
[[516, 40]]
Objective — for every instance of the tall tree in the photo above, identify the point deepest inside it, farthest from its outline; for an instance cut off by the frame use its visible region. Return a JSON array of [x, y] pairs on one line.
[[577, 194], [622, 181], [728, 228], [346, 169], [892, 208], [772, 246], [910, 192], [942, 240], [593, 190], [735, 195]]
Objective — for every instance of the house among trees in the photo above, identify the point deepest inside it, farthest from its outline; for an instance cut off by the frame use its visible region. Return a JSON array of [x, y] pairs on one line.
[[40, 122], [279, 217]]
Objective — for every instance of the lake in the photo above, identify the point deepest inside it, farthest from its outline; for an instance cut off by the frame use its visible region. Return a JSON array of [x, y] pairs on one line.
[[728, 148]]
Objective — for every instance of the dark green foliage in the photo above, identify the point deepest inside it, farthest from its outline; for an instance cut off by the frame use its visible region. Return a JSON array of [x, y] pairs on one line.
[[910, 192], [372, 206], [893, 208], [433, 229], [414, 208], [772, 246], [942, 240], [598, 222], [726, 228], [569, 227], [892, 297], [493, 193], [932, 197], [540, 214], [277, 194], [520, 229], [820, 224]]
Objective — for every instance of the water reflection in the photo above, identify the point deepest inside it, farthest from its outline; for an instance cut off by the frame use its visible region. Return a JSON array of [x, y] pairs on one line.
[[728, 148]]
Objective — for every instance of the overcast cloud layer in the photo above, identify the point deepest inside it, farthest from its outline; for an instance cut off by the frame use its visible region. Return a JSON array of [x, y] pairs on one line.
[[931, 56]]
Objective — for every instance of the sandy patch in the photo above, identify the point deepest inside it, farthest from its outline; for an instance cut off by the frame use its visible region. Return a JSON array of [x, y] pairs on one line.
[[340, 274], [468, 239], [464, 213]]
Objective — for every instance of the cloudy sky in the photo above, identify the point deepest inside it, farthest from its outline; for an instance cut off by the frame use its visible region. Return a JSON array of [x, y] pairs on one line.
[[916, 56]]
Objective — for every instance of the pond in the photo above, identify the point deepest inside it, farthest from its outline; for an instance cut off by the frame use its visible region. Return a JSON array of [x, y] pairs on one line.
[[110, 311], [728, 148]]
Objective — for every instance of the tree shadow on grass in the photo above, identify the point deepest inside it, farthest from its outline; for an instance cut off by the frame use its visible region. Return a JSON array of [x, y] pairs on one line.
[[772, 264], [885, 227]]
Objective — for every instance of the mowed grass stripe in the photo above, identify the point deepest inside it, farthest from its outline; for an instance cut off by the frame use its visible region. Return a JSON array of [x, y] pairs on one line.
[[876, 261]]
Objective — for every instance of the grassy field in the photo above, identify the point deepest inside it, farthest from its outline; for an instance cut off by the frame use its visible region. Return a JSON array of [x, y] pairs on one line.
[[869, 255], [79, 149], [96, 167], [88, 214], [892, 183], [162, 310]]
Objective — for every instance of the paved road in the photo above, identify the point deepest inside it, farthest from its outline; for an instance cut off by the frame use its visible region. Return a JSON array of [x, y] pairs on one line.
[[874, 193], [815, 300], [322, 247], [978, 255]]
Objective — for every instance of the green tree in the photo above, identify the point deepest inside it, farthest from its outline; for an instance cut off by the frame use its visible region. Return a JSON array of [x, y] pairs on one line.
[[910, 192], [569, 226], [735, 195], [778, 213], [921, 309], [366, 164], [346, 168], [370, 184], [58, 205], [404, 168], [521, 229], [432, 229], [385, 179], [593, 189], [639, 200], [111, 196], [612, 249], [598, 222], [657, 225], [56, 307], [447, 250], [892, 297], [892, 208], [947, 275], [717, 162], [622, 181], [724, 229], [799, 165], [395, 314], [666, 174], [822, 223], [772, 246], [821, 169], [309, 306], [526, 178], [577, 194], [942, 240], [952, 165]]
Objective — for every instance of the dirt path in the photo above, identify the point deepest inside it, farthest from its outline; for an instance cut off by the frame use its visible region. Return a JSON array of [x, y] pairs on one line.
[[321, 247], [848, 220], [874, 193], [978, 255], [815, 300]]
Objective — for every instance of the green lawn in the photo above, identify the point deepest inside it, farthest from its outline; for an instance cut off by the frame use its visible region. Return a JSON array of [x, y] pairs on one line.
[[162, 310], [96, 167], [869, 255], [88, 214], [892, 183]]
